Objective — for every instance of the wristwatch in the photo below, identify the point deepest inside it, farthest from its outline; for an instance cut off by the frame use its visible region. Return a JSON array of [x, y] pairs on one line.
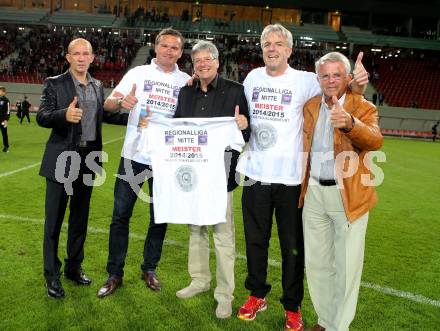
[[120, 102]]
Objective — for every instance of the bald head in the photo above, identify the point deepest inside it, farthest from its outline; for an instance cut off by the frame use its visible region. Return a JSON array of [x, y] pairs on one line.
[[79, 41], [80, 57]]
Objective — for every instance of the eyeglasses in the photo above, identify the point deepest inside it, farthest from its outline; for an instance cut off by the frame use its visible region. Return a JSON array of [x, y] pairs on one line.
[[326, 77], [204, 60]]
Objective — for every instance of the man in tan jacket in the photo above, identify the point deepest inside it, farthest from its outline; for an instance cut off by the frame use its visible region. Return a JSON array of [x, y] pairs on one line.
[[340, 128]]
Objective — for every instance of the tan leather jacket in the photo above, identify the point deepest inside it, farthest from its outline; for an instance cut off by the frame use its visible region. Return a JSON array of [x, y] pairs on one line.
[[364, 137]]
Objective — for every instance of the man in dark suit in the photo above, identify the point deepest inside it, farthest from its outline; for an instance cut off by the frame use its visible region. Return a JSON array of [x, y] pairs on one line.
[[214, 96], [25, 106], [72, 106]]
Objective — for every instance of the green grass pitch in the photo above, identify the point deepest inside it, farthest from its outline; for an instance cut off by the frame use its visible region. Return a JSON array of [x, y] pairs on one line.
[[402, 253]]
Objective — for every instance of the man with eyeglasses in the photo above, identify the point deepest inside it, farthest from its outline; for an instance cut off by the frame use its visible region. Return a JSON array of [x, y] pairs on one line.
[[272, 164], [214, 96], [335, 213]]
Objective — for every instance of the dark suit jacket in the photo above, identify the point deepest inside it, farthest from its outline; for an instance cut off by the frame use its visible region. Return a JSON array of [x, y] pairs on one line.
[[4, 109], [228, 95], [58, 93]]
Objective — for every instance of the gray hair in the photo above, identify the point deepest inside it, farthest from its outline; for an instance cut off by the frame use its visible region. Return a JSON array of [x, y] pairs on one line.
[[276, 28], [203, 45], [334, 57]]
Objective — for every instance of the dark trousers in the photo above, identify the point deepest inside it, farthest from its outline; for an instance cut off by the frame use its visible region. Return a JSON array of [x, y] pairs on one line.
[[259, 203], [56, 203], [125, 198], [23, 115], [5, 136]]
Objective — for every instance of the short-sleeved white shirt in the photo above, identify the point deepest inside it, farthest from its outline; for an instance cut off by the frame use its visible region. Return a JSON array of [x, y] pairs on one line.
[[190, 183], [155, 89], [274, 151]]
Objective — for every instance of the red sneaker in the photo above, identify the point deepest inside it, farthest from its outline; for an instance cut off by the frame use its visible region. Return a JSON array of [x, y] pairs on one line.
[[294, 321], [249, 310]]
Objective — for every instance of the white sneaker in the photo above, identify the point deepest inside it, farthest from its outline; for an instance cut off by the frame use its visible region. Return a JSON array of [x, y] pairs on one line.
[[190, 291], [224, 309]]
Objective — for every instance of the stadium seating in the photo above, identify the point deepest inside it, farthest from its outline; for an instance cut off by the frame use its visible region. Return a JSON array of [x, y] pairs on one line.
[[408, 81], [44, 54], [367, 37], [22, 77], [407, 133], [80, 18], [15, 15], [204, 25], [358, 36], [319, 32]]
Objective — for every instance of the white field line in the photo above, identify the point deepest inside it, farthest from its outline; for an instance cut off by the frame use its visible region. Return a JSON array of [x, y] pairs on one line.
[[112, 140], [381, 289], [37, 164], [4, 174]]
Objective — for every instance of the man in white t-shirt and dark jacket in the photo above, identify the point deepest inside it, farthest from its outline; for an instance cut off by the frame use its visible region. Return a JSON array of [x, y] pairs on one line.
[[272, 164], [148, 88], [214, 96]]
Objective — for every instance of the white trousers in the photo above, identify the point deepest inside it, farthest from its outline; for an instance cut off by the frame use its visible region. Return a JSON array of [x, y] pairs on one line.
[[334, 255], [198, 255]]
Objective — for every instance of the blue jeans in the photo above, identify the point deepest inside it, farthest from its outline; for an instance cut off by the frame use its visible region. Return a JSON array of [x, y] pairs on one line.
[[124, 200]]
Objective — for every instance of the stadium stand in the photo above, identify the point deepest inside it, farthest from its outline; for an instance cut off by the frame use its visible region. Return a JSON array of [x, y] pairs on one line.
[[80, 18], [401, 81], [404, 122], [30, 50], [367, 37], [43, 54], [319, 32], [27, 15]]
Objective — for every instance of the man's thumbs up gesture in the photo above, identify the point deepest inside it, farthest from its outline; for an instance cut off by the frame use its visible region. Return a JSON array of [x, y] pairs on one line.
[[130, 99], [339, 117], [73, 114], [241, 120], [360, 75]]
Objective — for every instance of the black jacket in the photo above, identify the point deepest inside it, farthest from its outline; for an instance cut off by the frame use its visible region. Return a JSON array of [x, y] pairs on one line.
[[58, 93], [4, 109], [25, 105], [228, 95]]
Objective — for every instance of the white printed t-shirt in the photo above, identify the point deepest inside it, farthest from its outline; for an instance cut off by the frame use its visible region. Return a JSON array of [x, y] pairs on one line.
[[274, 151], [190, 184], [156, 89]]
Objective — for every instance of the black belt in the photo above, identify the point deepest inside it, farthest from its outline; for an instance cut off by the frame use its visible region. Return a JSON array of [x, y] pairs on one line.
[[326, 182]]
